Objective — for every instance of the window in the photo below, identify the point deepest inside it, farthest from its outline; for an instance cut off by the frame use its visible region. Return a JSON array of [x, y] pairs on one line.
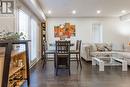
[[97, 33], [24, 23], [29, 27], [34, 27]]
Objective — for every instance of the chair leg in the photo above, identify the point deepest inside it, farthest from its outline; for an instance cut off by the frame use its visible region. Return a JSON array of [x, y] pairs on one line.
[[80, 61], [56, 71], [56, 65], [69, 72], [54, 61], [69, 66], [44, 60], [43, 63], [77, 60]]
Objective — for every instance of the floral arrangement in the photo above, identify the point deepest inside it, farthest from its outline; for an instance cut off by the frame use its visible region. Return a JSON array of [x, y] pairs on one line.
[[64, 31], [12, 36]]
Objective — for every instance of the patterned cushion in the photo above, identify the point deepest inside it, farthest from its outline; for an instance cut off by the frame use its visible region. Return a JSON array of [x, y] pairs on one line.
[[100, 47], [108, 47], [100, 54], [93, 48]]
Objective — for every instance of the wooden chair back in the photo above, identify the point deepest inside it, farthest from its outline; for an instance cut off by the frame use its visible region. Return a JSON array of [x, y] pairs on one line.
[[78, 45], [62, 47]]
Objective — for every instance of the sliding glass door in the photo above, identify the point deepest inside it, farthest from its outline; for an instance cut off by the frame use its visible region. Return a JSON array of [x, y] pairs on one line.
[[29, 27], [24, 23], [34, 29]]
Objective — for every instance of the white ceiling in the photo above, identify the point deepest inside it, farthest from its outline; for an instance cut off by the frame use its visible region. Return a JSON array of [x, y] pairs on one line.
[[85, 8], [35, 8]]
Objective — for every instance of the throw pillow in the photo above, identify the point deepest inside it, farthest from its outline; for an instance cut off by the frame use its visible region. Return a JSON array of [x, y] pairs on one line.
[[108, 47], [100, 47], [93, 48], [118, 47]]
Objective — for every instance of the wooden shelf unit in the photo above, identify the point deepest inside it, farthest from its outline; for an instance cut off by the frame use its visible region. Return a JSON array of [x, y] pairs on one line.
[[15, 64], [17, 70], [43, 37]]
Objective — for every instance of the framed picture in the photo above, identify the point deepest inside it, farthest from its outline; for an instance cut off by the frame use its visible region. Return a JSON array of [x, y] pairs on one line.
[[65, 31]]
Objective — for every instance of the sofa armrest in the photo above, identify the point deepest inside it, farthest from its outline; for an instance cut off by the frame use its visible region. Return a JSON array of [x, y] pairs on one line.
[[83, 53], [87, 49]]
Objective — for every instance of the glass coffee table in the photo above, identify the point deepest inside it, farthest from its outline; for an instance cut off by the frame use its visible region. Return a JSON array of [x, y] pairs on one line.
[[109, 61]]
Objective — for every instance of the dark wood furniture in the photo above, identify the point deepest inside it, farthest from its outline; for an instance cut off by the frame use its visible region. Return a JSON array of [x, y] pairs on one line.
[[62, 56], [77, 53], [8, 45], [43, 38], [46, 52], [54, 45]]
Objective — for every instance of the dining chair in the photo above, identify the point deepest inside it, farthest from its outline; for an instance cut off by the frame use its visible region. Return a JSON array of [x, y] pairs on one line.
[[46, 52], [62, 56], [77, 53]]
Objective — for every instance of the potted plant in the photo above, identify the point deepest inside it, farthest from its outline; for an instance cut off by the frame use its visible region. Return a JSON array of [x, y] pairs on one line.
[[12, 36]]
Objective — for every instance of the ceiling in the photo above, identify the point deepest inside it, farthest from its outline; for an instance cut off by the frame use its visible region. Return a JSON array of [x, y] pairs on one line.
[[33, 5], [85, 8]]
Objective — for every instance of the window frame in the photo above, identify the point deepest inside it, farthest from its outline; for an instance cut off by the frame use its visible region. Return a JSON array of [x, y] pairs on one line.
[[100, 32], [29, 35]]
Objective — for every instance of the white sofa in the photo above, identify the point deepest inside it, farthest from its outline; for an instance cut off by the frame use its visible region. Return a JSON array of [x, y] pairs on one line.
[[90, 49]]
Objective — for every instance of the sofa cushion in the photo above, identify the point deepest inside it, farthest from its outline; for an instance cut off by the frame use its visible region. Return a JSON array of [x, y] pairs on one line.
[[93, 48], [118, 47], [126, 48], [108, 47], [99, 54], [100, 46]]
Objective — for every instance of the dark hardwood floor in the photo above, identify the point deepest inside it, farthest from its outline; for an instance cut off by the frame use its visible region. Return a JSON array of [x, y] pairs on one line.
[[89, 76]]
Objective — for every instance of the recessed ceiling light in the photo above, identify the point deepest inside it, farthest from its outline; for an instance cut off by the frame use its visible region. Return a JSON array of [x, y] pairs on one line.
[[74, 12], [123, 11], [49, 12], [98, 11]]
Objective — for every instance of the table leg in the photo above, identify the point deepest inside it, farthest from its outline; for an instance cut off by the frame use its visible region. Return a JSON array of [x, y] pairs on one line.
[[6, 65], [124, 66], [93, 61], [101, 66], [27, 64]]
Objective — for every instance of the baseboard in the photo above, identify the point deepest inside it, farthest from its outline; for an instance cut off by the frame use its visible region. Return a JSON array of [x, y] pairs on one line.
[[34, 63]]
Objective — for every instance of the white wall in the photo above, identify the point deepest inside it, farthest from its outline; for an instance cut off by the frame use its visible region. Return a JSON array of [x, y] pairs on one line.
[[112, 29], [7, 23]]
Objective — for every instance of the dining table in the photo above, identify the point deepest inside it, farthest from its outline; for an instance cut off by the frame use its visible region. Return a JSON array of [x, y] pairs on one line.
[[53, 44]]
